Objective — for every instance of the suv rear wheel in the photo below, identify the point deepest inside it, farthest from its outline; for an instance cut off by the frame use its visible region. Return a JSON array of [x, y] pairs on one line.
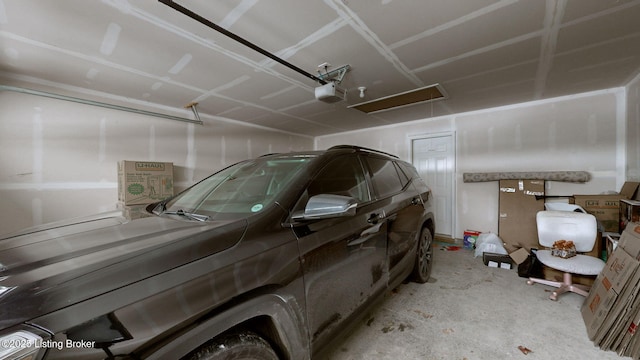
[[424, 257], [245, 345]]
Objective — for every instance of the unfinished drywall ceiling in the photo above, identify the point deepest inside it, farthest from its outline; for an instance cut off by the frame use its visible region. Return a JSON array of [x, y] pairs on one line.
[[483, 53]]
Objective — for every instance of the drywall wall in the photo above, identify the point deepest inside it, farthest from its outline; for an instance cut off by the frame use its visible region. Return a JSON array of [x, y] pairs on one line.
[[633, 130], [581, 132], [58, 158]]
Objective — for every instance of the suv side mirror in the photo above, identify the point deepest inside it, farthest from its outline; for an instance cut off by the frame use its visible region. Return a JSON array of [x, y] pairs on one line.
[[324, 206]]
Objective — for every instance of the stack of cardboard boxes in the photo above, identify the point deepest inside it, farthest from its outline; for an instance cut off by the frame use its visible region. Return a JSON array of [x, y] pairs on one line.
[[141, 183], [611, 312], [613, 212], [606, 207], [520, 201]]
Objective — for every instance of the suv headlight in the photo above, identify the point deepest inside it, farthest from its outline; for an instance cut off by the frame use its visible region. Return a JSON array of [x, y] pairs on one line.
[[20, 345]]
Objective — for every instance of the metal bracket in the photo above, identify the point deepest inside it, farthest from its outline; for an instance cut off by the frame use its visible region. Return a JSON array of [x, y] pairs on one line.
[[193, 105], [335, 75]]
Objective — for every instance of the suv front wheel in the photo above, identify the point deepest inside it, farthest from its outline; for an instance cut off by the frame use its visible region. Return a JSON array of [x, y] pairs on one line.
[[244, 345], [424, 257]]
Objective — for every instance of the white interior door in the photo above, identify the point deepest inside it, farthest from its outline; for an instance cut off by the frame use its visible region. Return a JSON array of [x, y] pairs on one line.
[[434, 157]]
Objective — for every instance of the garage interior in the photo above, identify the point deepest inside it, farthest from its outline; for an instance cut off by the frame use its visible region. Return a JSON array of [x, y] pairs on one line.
[[472, 87]]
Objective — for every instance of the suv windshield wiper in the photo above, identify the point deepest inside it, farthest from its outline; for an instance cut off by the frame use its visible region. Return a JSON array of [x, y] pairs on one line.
[[188, 215]]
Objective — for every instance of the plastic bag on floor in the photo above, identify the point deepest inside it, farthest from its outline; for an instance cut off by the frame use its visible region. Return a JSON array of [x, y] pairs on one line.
[[489, 242]]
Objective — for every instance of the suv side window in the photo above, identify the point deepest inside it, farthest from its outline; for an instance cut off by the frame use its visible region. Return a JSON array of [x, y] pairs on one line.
[[342, 176], [385, 176], [404, 178], [409, 170]]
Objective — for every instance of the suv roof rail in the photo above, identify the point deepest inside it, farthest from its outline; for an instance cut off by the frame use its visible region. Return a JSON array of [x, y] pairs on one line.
[[360, 148]]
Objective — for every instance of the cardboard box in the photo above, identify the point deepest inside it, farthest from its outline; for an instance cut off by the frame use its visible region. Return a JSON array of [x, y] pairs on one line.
[[519, 256], [619, 327], [619, 269], [612, 330], [469, 239], [596, 309], [517, 213], [634, 350], [596, 306], [628, 338], [144, 182], [630, 240], [599, 248], [497, 260], [618, 331], [629, 212], [606, 208], [133, 212]]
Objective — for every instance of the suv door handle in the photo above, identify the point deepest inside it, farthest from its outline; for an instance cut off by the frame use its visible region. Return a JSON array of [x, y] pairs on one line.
[[374, 218]]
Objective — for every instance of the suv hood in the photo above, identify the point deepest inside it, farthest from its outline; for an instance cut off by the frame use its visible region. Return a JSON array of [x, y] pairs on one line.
[[49, 267]]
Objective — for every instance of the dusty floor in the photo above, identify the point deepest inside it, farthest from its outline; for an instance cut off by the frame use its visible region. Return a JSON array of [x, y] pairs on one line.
[[470, 311]]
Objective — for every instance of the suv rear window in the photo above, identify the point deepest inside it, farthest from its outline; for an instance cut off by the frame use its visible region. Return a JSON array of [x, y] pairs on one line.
[[404, 178], [385, 176]]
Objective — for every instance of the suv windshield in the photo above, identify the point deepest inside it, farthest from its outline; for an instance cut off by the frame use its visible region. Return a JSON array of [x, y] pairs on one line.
[[239, 190]]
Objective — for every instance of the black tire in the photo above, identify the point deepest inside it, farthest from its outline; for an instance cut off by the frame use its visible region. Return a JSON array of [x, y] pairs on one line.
[[234, 346], [424, 258]]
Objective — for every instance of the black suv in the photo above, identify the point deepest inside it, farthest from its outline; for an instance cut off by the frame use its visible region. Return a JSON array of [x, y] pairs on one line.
[[270, 257]]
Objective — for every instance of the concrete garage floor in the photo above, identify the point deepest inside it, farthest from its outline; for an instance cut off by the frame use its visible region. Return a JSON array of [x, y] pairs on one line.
[[470, 311]]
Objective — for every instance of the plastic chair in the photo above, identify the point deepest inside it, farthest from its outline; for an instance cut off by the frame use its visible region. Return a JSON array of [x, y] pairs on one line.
[[563, 207], [578, 227]]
